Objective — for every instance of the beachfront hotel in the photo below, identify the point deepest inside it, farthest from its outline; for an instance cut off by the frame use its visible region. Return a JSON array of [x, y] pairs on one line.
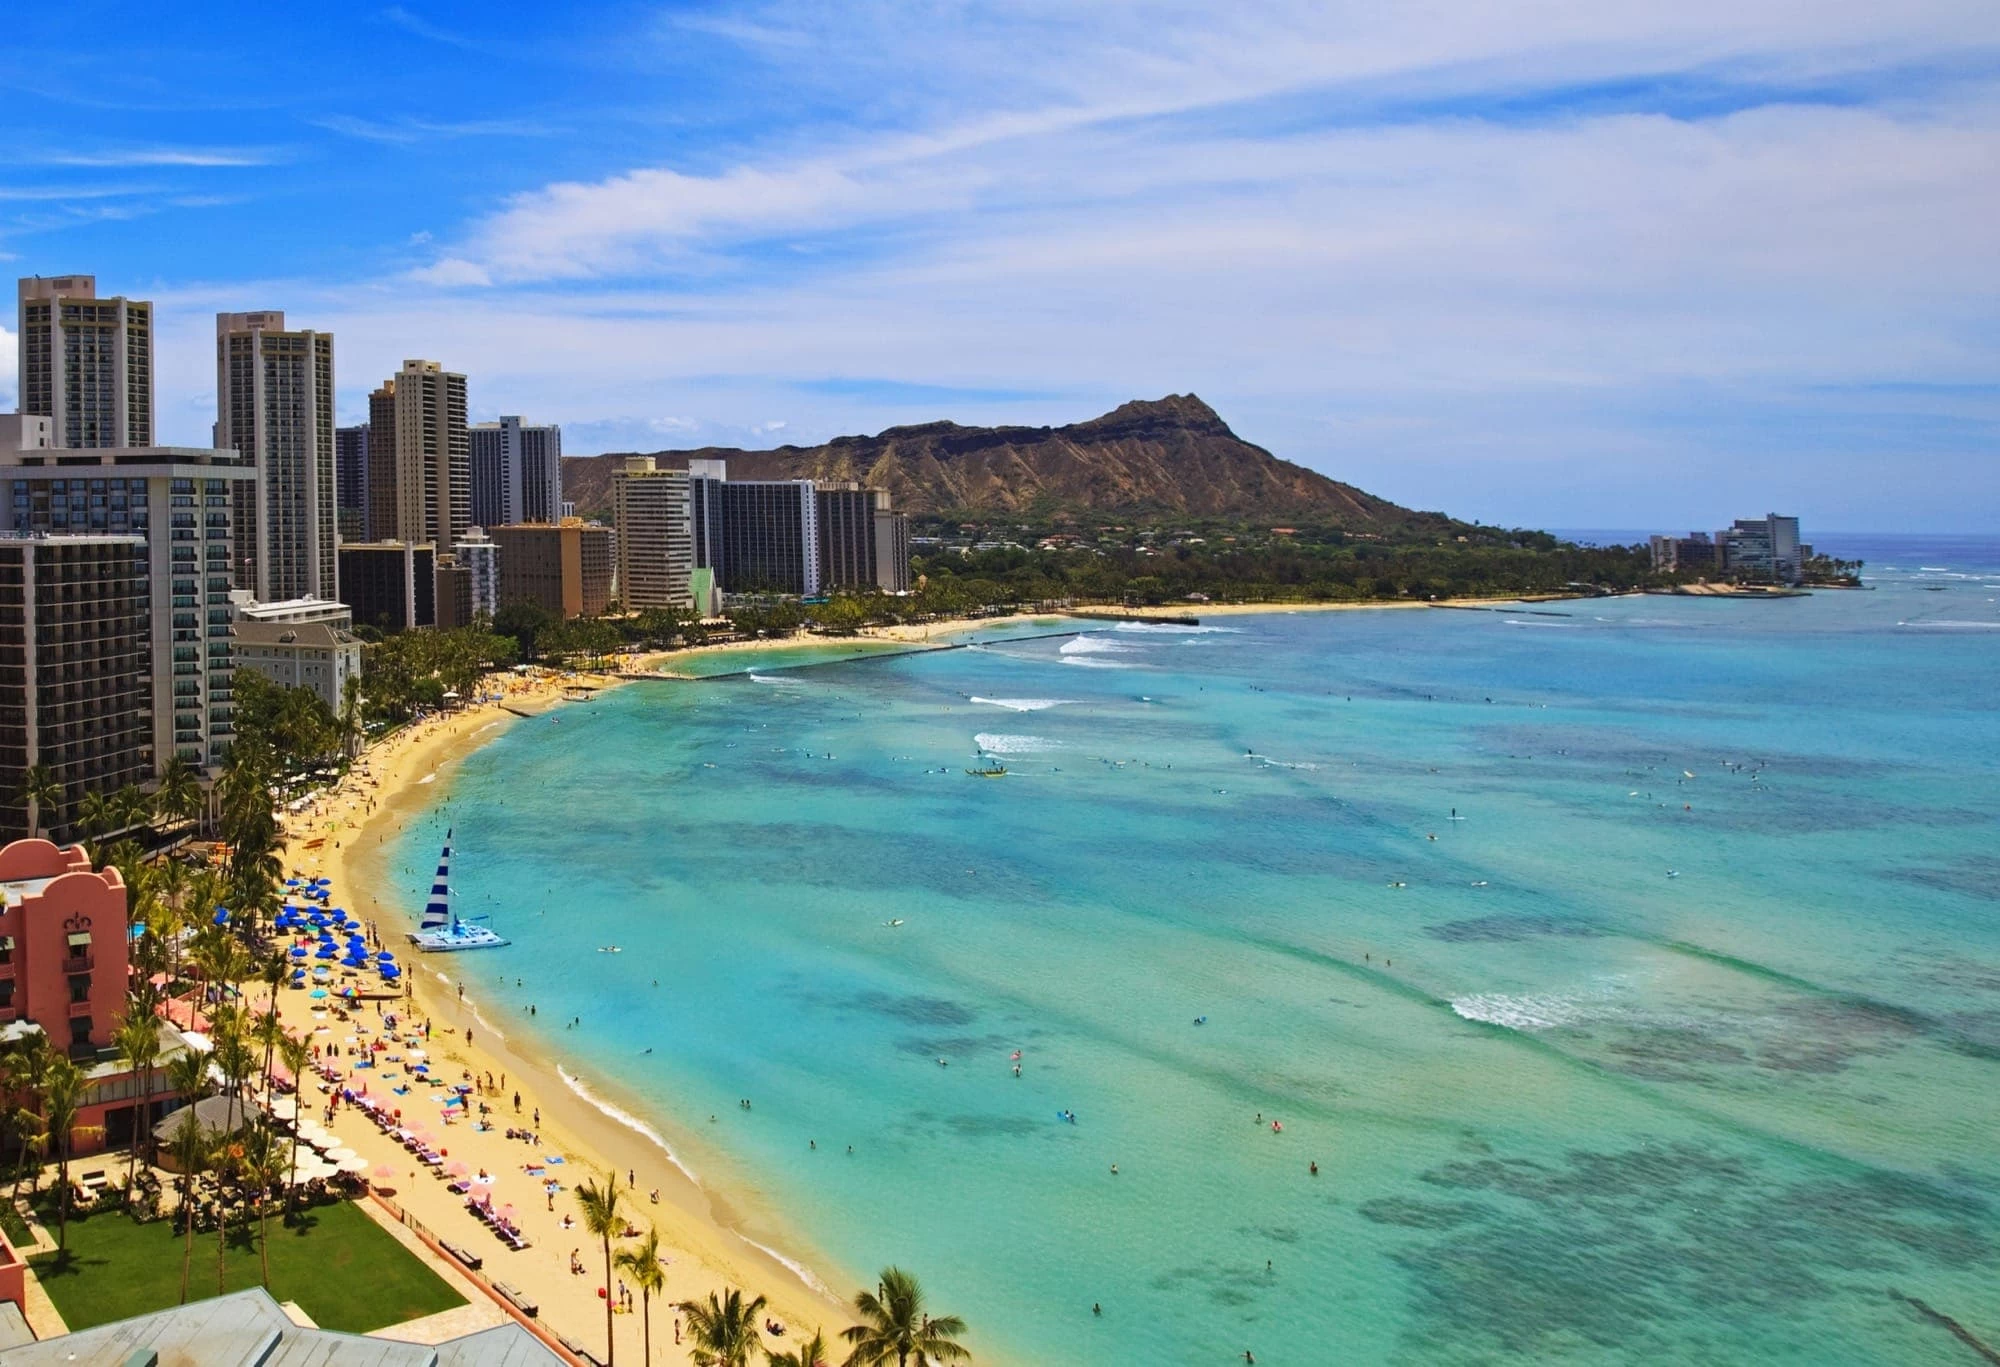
[[274, 405], [655, 546], [75, 671], [179, 502]]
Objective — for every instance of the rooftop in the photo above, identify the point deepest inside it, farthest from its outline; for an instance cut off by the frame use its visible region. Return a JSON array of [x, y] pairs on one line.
[[319, 634], [248, 1329]]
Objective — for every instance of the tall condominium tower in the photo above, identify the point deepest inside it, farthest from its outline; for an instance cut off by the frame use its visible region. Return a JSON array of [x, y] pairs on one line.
[[655, 546], [86, 362], [350, 480], [516, 472], [274, 403], [419, 457]]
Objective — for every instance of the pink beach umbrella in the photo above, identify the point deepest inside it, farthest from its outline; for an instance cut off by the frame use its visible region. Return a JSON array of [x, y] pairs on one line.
[[458, 1169], [384, 1172]]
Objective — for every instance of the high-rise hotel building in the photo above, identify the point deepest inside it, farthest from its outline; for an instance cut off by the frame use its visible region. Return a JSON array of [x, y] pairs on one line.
[[75, 671], [419, 457], [655, 546], [274, 404], [178, 503], [350, 480], [516, 472], [86, 362]]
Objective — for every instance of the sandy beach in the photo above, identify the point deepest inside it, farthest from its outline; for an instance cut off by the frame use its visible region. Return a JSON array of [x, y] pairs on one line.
[[703, 1253]]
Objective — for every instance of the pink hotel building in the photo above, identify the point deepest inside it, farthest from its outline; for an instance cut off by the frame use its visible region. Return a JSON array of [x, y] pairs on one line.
[[62, 945]]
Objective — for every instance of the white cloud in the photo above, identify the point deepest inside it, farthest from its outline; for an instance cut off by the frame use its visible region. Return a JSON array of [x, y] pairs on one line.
[[1371, 235]]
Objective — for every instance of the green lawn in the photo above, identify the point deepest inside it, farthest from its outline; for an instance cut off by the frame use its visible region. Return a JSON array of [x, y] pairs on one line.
[[340, 1266]]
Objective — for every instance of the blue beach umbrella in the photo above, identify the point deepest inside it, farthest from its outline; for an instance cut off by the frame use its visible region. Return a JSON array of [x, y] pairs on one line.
[[384, 955], [391, 971], [317, 994], [298, 951]]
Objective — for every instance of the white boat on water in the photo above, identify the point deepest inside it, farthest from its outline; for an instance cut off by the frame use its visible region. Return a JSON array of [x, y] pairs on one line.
[[441, 930]]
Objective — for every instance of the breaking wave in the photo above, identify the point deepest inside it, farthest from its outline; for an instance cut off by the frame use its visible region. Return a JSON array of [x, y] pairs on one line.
[[995, 743]]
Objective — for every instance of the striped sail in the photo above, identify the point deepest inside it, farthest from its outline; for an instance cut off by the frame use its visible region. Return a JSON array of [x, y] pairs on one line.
[[437, 911]]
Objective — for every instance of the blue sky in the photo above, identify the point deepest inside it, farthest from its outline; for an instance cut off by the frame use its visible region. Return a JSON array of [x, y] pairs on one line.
[[1620, 264]]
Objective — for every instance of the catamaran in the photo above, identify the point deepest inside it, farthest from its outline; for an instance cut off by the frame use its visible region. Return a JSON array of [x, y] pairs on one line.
[[441, 929]]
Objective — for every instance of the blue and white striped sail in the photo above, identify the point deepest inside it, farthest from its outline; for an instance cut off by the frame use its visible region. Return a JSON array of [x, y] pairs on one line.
[[437, 911]]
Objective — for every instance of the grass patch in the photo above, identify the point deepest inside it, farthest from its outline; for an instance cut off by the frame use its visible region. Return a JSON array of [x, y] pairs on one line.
[[343, 1269], [15, 1228]]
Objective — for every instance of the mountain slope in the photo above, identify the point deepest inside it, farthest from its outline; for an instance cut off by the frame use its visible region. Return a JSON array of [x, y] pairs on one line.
[[1170, 457]]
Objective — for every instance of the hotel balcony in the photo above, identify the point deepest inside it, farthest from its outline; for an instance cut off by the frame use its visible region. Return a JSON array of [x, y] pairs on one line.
[[77, 1009], [79, 963]]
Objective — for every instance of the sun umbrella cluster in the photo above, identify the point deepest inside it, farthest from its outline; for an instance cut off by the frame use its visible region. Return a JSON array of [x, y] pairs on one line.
[[327, 937]]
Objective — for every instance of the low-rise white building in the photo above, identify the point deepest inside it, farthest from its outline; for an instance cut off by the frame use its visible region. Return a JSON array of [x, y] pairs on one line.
[[293, 610], [301, 655]]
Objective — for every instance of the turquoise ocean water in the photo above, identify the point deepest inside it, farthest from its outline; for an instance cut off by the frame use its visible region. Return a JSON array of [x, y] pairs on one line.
[[1681, 1046]]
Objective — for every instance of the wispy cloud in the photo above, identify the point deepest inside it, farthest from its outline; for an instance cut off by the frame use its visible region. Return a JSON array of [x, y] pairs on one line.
[[159, 156], [403, 131]]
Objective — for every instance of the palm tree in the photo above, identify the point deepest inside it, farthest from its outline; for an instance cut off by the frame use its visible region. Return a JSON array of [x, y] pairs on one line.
[[894, 1326], [138, 1043], [352, 732], [641, 1263], [603, 1218], [40, 790], [32, 1059], [96, 817], [810, 1353], [264, 1166], [133, 806], [191, 1149], [178, 796], [723, 1332], [297, 1055], [65, 1095]]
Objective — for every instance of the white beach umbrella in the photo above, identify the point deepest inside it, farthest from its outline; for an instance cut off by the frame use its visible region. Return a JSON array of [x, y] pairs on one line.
[[356, 1164], [283, 1107], [339, 1155]]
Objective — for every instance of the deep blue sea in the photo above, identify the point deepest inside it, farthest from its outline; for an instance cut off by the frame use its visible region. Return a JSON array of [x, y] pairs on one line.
[[1629, 968]]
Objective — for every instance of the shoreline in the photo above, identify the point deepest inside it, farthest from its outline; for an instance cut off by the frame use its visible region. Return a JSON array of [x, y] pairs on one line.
[[583, 1118]]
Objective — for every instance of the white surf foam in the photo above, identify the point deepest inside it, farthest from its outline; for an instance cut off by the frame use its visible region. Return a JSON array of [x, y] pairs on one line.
[[1538, 1010], [1173, 629], [1946, 625], [797, 1268], [1093, 645], [625, 1118], [996, 743], [428, 778], [1022, 704]]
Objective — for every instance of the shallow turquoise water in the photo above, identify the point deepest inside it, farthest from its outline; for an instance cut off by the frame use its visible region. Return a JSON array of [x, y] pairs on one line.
[[1565, 1106]]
